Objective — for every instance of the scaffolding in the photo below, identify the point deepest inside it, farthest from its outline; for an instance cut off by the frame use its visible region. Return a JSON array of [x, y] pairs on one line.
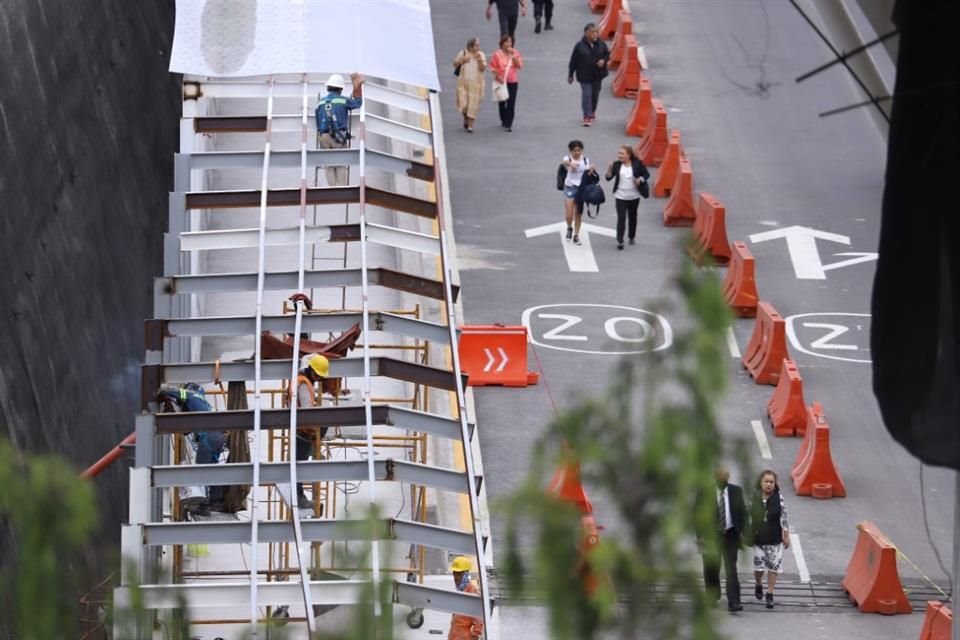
[[379, 442]]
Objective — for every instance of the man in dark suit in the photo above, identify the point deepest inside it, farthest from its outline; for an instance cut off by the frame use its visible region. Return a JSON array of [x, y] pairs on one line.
[[731, 525]]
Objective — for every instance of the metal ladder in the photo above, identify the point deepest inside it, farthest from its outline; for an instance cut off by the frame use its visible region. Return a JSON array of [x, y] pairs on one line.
[[170, 358]]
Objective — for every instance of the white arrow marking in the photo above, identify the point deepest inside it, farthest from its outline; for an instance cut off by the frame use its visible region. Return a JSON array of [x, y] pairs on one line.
[[802, 245], [490, 360], [503, 354], [859, 256], [579, 258]]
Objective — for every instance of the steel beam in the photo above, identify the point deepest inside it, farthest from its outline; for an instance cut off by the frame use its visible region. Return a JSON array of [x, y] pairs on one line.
[[396, 131], [394, 98], [401, 239], [250, 238], [314, 195], [419, 596]]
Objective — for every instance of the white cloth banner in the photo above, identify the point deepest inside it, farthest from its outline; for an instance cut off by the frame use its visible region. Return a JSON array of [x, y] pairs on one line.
[[391, 39]]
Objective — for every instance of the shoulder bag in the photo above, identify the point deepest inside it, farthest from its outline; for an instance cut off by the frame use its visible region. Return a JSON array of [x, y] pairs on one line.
[[500, 91]]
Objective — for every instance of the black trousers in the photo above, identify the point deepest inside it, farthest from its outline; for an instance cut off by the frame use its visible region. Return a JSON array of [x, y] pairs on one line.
[[627, 217], [304, 449], [508, 107], [543, 8], [729, 547], [508, 23]]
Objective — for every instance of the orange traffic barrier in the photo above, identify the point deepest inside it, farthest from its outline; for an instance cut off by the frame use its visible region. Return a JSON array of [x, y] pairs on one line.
[[786, 410], [624, 29], [566, 486], [680, 210], [937, 622], [710, 231], [654, 141], [872, 580], [667, 172], [740, 285], [597, 6], [626, 83], [495, 355], [767, 347], [814, 473], [607, 25], [638, 118], [590, 538]]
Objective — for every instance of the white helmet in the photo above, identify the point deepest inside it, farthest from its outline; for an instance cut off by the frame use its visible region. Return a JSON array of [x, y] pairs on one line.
[[335, 82]]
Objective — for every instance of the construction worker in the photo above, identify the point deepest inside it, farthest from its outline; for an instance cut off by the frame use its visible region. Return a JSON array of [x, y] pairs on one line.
[[208, 445], [315, 368], [333, 120], [464, 627]]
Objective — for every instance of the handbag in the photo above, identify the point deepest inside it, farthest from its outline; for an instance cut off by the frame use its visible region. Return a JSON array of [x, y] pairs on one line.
[[500, 91], [456, 69]]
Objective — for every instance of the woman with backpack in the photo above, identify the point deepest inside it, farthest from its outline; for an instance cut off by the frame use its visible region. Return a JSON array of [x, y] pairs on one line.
[[573, 167], [629, 184], [469, 67], [771, 533]]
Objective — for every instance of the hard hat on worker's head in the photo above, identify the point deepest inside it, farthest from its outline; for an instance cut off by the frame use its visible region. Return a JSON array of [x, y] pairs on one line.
[[194, 387], [335, 81], [318, 363], [460, 564]]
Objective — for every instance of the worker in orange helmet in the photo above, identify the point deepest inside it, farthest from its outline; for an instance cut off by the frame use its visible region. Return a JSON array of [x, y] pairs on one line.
[[464, 627]]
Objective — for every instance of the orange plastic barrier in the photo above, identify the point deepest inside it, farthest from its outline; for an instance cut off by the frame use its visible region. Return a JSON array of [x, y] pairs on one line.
[[667, 172], [607, 25], [786, 410], [872, 580], [767, 347], [710, 231], [740, 285], [654, 141], [597, 6], [495, 355], [814, 473], [638, 118], [624, 29], [566, 486], [680, 210], [590, 538], [937, 621], [626, 83]]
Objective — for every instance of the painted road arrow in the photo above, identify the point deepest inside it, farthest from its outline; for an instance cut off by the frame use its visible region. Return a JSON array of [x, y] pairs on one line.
[[802, 245], [579, 258], [492, 361]]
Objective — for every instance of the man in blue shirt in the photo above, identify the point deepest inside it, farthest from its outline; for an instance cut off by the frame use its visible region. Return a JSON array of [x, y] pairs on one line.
[[333, 120]]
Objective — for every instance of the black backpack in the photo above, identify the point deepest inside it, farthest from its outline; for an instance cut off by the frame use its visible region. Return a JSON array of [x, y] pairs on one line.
[[561, 176], [591, 193]]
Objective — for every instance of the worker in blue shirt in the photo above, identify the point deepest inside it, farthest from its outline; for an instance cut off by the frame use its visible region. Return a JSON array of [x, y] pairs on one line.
[[333, 120]]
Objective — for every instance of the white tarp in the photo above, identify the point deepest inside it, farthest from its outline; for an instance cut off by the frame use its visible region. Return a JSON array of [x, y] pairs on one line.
[[390, 39]]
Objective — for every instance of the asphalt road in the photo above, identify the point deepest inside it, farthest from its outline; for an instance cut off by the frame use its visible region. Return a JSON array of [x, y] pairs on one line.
[[725, 71]]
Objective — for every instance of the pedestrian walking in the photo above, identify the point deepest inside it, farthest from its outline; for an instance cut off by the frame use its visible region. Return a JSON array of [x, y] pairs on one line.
[[508, 13], [629, 177], [722, 545], [771, 533], [470, 65], [577, 165], [333, 120], [464, 627], [588, 63], [504, 64], [542, 10]]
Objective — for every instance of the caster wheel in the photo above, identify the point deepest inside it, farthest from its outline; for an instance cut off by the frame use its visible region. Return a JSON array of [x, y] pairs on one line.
[[415, 619]]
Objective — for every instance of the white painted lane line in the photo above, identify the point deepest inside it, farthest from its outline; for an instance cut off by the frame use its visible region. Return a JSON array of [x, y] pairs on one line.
[[732, 344], [798, 557], [765, 452]]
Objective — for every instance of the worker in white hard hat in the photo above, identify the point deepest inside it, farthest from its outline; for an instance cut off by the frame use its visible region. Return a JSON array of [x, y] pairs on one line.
[[314, 368], [464, 627], [333, 120]]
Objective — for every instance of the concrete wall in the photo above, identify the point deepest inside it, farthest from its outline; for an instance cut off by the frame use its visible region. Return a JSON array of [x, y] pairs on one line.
[[88, 125]]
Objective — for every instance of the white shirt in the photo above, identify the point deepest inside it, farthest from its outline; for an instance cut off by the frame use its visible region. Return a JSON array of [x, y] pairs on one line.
[[626, 188], [726, 502], [575, 170]]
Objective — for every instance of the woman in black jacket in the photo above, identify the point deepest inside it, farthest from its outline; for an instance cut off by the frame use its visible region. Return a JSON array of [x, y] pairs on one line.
[[629, 184], [771, 534]]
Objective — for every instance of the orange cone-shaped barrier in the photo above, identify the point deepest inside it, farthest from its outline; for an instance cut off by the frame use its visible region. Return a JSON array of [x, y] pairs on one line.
[[607, 25], [815, 474], [740, 286], [680, 210], [654, 141], [786, 410], [566, 486], [626, 83], [598, 6], [638, 118], [872, 580], [937, 622], [624, 29], [767, 347], [590, 538], [710, 231], [667, 172]]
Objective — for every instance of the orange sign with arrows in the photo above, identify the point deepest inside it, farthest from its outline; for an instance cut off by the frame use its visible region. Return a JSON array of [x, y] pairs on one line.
[[495, 355]]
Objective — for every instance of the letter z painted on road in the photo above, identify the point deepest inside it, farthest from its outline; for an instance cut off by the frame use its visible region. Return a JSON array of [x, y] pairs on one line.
[[602, 329]]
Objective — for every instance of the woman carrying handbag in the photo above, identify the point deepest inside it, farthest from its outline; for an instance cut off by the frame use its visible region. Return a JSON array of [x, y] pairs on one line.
[[469, 66], [630, 183], [504, 63]]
